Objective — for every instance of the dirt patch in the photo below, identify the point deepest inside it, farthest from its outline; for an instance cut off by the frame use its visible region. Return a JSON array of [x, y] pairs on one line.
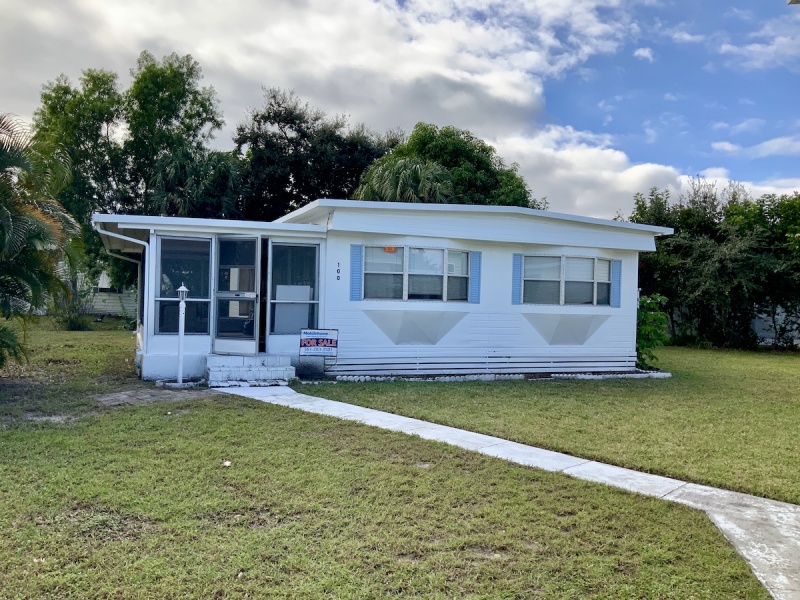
[[145, 396], [97, 522]]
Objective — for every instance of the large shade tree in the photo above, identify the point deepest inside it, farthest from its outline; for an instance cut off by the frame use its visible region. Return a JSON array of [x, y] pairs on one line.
[[34, 228], [293, 154], [140, 150], [121, 140], [446, 164]]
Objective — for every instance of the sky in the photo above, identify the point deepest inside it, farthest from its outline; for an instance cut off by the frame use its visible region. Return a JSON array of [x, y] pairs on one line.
[[595, 100]]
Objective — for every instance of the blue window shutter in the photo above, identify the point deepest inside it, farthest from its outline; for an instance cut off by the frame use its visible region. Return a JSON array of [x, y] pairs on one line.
[[474, 277], [356, 270], [516, 280], [616, 280]]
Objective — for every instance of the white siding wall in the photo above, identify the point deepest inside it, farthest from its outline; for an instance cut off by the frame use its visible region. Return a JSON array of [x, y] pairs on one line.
[[493, 336]]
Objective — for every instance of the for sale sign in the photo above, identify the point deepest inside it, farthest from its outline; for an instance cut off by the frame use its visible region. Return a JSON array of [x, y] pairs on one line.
[[319, 342]]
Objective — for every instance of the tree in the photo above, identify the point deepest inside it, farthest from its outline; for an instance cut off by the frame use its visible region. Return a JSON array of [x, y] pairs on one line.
[[292, 154], [395, 179], [477, 173], [195, 182], [730, 259], [167, 113], [34, 228], [776, 221], [137, 151]]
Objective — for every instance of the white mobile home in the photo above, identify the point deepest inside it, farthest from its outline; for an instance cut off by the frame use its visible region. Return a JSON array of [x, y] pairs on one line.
[[412, 289]]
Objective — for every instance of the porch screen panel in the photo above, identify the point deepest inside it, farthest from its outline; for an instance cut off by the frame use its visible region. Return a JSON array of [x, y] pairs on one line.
[[187, 262], [295, 293]]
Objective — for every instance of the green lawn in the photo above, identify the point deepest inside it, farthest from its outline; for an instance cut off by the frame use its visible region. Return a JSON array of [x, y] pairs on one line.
[[66, 369], [138, 503], [727, 419]]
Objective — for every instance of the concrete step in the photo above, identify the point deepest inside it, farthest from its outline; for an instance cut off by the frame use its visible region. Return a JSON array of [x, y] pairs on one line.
[[228, 376], [248, 362]]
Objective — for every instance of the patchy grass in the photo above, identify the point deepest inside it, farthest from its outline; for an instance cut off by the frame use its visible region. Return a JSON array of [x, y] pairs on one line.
[[137, 503], [727, 419], [66, 369]]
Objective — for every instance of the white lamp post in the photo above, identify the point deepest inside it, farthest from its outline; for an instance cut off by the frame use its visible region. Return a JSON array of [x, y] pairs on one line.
[[182, 293]]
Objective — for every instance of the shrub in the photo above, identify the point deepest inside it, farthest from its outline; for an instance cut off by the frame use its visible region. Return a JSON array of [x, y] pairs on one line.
[[651, 329]]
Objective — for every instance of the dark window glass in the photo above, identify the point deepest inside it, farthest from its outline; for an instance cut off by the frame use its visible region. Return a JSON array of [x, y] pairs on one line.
[[185, 262], [604, 293], [379, 286], [167, 317], [578, 292], [425, 287], [235, 319], [542, 292], [457, 288]]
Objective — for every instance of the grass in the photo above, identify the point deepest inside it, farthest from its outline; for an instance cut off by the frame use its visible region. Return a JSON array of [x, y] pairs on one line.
[[138, 502], [726, 419], [66, 369]]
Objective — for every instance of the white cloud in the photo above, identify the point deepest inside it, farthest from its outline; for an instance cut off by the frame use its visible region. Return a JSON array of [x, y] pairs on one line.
[[382, 62], [737, 13], [670, 97], [721, 178], [581, 173], [684, 37], [779, 146], [746, 126], [776, 45], [644, 54], [726, 147], [650, 133], [720, 173]]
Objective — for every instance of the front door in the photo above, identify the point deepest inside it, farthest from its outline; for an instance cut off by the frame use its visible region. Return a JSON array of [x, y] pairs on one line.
[[236, 296]]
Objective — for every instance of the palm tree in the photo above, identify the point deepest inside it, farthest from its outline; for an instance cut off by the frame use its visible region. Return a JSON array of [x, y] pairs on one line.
[[395, 179], [34, 227]]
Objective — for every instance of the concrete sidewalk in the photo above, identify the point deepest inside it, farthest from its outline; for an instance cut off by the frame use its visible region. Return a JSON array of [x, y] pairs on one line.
[[765, 532]]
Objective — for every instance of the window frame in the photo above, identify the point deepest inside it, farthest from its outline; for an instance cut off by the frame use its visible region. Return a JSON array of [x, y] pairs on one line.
[[158, 299], [408, 272], [563, 279]]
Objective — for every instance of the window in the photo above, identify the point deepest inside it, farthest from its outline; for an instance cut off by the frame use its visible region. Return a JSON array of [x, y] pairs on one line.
[[183, 262], [405, 273], [295, 299], [566, 280]]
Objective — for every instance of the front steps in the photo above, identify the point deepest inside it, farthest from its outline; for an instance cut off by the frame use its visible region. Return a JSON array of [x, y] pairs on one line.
[[223, 370]]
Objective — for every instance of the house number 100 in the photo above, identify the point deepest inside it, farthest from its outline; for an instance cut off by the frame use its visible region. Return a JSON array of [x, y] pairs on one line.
[[338, 271]]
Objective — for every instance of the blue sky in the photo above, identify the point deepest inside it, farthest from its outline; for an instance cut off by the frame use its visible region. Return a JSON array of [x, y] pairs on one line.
[[594, 99], [695, 83]]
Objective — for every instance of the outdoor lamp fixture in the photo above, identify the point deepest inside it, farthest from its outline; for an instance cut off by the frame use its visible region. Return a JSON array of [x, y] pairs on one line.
[[182, 293]]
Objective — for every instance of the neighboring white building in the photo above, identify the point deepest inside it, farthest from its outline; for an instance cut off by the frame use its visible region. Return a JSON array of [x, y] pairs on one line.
[[107, 300], [413, 289]]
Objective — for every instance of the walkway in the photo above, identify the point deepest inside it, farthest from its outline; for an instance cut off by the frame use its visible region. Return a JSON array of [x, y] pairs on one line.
[[765, 532]]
